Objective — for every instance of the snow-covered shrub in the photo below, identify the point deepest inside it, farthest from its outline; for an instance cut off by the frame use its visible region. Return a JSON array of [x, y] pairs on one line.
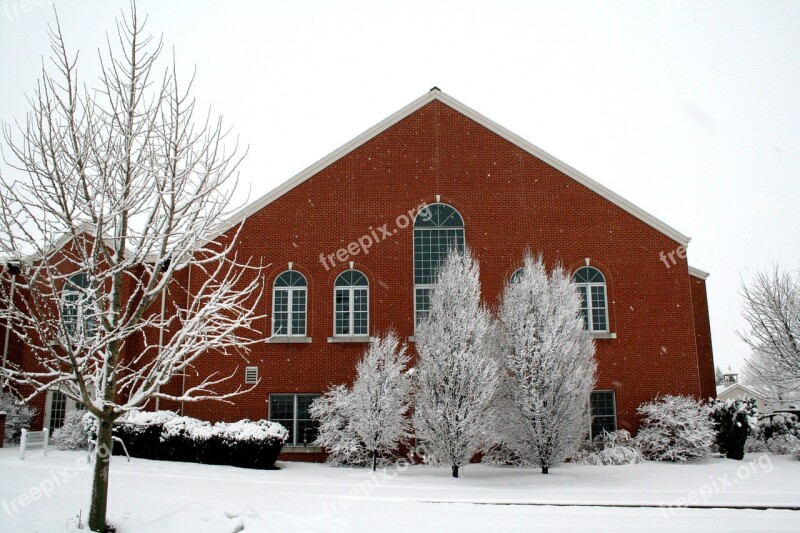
[[755, 445], [777, 424], [614, 448], [368, 423], [72, 435], [786, 444], [675, 428], [163, 435], [734, 420], [18, 416]]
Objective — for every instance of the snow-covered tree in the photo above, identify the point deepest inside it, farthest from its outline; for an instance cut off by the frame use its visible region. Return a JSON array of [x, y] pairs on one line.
[[548, 367], [380, 397], [734, 420], [772, 310], [675, 428], [333, 412], [759, 373], [118, 189], [370, 421], [455, 379]]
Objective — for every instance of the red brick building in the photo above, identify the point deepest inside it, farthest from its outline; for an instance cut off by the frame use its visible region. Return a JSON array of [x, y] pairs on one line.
[[348, 260]]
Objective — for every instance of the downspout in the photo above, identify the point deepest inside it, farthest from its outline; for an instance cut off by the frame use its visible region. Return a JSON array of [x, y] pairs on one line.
[[188, 296], [14, 270], [161, 339]]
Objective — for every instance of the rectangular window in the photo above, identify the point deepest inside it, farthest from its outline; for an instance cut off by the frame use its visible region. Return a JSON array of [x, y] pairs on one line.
[[342, 311], [584, 305], [604, 412], [58, 409], [291, 411], [598, 308], [251, 375]]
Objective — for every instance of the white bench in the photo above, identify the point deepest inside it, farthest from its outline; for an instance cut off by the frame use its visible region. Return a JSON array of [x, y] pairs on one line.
[[33, 439]]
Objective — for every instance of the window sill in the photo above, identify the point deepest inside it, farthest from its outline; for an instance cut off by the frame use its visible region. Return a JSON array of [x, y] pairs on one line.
[[354, 338], [603, 335], [301, 449], [412, 338], [288, 340]]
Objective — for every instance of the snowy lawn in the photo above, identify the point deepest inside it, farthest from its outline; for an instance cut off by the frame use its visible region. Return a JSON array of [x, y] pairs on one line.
[[162, 496]]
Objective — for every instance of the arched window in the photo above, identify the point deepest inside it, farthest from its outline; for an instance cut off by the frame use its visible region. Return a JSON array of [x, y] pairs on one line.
[[517, 275], [351, 304], [592, 289], [77, 309], [289, 304], [437, 228]]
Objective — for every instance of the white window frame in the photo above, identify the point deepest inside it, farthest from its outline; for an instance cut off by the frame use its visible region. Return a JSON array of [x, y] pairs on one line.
[[590, 304], [290, 307], [69, 405], [592, 416], [350, 289], [430, 286], [293, 439]]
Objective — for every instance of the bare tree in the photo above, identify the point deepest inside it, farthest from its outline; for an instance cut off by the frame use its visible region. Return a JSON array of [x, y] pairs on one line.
[[772, 310], [119, 193], [455, 379]]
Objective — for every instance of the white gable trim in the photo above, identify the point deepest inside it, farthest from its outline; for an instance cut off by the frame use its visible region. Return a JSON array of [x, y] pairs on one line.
[[696, 272], [436, 94]]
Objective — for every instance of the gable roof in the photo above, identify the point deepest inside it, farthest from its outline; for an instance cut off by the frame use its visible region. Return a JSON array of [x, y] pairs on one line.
[[722, 389], [436, 94]]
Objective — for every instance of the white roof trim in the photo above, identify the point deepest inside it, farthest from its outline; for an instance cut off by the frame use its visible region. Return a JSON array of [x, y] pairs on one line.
[[436, 94], [696, 272], [722, 389]]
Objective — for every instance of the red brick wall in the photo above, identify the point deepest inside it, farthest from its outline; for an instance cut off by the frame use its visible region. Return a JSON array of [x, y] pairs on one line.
[[510, 201], [702, 327]]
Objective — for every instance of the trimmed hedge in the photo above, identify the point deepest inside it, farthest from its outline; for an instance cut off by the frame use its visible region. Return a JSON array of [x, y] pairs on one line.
[[164, 436]]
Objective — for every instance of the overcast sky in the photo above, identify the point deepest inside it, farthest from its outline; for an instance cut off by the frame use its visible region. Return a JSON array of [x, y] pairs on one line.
[[691, 110]]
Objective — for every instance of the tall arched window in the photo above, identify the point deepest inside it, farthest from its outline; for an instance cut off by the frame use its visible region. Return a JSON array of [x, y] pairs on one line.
[[77, 309], [592, 289], [351, 304], [289, 304], [437, 228]]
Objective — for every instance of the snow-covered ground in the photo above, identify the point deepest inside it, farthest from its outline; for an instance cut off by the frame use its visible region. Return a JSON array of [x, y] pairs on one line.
[[45, 494]]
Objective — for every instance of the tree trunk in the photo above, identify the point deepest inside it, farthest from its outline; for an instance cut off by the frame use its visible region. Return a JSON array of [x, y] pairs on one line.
[[374, 461], [102, 461], [545, 469], [455, 470]]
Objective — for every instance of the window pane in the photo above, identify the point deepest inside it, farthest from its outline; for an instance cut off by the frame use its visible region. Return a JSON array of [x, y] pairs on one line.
[[598, 308], [58, 407], [281, 410], [298, 312], [342, 305], [603, 413], [584, 305], [360, 311], [422, 303], [280, 312]]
